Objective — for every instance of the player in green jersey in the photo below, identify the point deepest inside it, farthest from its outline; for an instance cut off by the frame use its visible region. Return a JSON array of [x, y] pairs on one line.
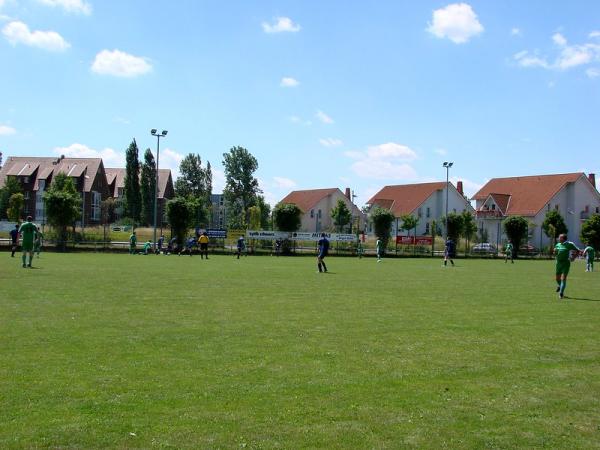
[[38, 242], [508, 252], [564, 251], [27, 231], [590, 253], [132, 243], [379, 249]]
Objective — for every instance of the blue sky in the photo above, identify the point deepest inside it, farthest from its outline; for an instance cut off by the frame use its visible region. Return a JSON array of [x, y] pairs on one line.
[[323, 93]]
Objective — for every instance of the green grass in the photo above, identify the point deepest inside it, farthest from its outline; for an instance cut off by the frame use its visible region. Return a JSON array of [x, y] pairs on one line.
[[127, 351]]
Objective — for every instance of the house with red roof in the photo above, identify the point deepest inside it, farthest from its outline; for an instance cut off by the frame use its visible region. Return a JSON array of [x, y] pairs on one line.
[[426, 201], [316, 206], [573, 195]]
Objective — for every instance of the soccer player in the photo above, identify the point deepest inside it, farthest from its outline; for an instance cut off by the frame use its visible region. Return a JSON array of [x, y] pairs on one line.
[[14, 237], [449, 252], [241, 246], [132, 243], [27, 232], [323, 246], [360, 250], [508, 252], [38, 242], [203, 241], [379, 249], [590, 253], [147, 247], [563, 251], [159, 245]]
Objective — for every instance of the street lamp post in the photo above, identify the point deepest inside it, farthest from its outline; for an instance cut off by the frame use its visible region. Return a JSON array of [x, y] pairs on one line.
[[447, 165], [154, 132]]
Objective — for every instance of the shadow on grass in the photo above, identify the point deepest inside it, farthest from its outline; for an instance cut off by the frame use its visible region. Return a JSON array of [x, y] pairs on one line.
[[583, 299]]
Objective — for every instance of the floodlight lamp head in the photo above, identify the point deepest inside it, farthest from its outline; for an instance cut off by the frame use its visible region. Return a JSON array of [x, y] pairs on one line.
[[164, 132], [445, 164], [153, 131], [450, 164]]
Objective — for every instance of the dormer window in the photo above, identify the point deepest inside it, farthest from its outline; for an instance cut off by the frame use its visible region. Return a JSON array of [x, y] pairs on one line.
[[493, 207]]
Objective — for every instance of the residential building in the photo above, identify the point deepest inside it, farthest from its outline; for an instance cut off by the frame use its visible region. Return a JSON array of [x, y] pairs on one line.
[[573, 195], [426, 201], [316, 206], [218, 215], [35, 175], [116, 181]]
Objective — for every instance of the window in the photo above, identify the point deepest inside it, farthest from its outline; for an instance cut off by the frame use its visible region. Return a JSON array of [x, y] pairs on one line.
[[427, 227], [26, 195], [493, 207], [96, 199], [454, 210], [312, 213], [556, 207], [597, 209], [26, 180], [427, 213], [319, 214], [420, 212]]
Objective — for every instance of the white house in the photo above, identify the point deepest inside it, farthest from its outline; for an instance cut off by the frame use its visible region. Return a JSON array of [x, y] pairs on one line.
[[573, 195], [426, 201], [316, 206]]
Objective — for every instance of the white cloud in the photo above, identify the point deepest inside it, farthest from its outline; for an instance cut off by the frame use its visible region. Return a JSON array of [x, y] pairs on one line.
[[515, 31], [19, 33], [469, 187], [457, 22], [381, 170], [289, 82], [384, 161], [323, 117], [280, 25], [559, 39], [300, 121], [110, 157], [122, 120], [170, 159], [441, 151], [577, 55], [525, 59], [594, 34], [568, 57], [120, 64], [331, 142], [593, 72], [284, 183], [391, 150], [70, 6], [5, 130]]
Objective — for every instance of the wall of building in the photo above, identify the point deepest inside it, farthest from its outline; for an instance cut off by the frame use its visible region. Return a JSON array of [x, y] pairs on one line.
[[318, 218]]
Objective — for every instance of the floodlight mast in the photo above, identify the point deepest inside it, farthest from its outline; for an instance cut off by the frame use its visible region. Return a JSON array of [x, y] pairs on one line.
[[447, 166], [154, 132]]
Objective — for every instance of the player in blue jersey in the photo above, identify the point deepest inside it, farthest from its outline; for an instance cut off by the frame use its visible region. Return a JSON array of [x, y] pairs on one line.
[[323, 246], [449, 252]]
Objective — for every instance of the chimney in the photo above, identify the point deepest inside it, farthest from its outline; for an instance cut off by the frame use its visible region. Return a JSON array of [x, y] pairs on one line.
[[592, 178], [459, 187], [347, 194]]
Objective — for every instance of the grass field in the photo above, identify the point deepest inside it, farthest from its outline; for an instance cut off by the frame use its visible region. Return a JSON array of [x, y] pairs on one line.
[[127, 351]]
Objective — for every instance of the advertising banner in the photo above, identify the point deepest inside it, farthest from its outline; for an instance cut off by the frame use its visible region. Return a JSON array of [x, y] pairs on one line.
[[267, 235], [219, 234], [412, 240]]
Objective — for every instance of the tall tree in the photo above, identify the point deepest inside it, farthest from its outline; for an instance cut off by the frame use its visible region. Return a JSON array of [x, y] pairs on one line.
[[11, 186], [382, 223], [254, 217], [195, 184], [455, 225], [241, 186], [147, 185], [287, 217], [515, 228], [265, 212], [554, 225], [409, 222], [469, 228], [131, 190], [62, 205], [181, 216], [341, 215], [16, 203], [590, 232]]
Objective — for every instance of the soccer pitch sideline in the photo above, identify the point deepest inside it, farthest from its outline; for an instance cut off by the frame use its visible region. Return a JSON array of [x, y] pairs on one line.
[[125, 351]]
